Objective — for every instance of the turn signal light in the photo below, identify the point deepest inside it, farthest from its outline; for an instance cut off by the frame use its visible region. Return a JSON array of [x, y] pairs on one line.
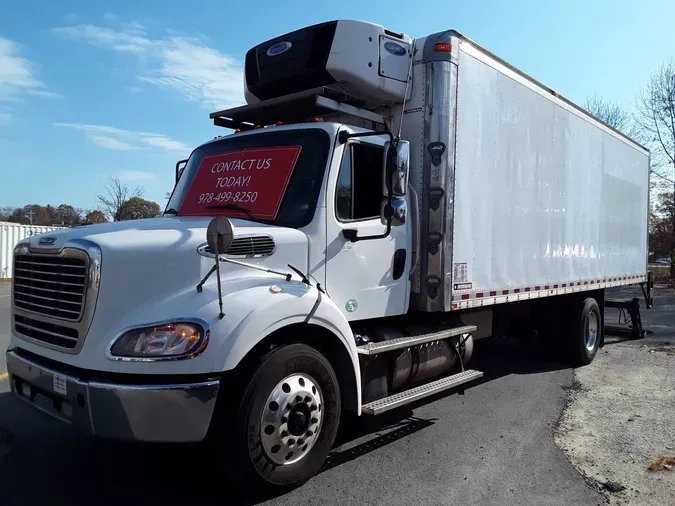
[[443, 46]]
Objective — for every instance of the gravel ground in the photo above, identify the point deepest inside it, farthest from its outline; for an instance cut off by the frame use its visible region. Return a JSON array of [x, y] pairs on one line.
[[620, 418]]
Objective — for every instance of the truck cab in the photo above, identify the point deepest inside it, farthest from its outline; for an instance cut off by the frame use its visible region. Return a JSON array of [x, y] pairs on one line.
[[333, 193]]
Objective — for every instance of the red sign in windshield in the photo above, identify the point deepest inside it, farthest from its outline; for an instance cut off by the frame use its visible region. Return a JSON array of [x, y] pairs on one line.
[[254, 179]]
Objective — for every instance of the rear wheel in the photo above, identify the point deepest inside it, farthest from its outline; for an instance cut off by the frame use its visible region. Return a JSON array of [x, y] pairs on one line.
[[585, 340], [288, 417]]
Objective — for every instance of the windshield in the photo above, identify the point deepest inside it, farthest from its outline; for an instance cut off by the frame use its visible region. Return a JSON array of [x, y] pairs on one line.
[[271, 177]]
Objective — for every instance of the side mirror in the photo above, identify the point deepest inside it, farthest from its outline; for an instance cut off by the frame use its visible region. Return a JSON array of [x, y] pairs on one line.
[[397, 164], [180, 167], [398, 211]]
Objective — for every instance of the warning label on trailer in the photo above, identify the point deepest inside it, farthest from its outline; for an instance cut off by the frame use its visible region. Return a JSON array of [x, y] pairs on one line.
[[462, 286], [460, 272]]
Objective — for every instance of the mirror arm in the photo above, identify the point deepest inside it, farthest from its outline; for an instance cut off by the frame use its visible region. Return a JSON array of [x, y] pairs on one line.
[[351, 234], [178, 170]]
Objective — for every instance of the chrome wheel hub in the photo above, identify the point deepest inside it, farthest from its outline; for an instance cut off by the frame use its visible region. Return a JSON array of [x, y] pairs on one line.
[[592, 336], [291, 419]]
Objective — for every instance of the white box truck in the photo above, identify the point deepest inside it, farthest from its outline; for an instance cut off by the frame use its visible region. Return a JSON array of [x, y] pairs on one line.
[[381, 203]]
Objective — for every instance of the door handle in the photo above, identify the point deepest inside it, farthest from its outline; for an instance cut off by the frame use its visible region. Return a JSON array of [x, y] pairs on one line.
[[399, 263]]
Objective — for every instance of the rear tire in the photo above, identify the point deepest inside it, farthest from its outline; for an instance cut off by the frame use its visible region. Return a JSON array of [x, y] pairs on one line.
[[586, 336], [288, 418]]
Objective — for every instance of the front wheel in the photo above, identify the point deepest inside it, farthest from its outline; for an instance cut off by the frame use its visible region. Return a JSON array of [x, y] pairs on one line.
[[288, 417]]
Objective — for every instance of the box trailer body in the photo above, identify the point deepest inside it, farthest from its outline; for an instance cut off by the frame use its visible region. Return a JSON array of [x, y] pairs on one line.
[[382, 202], [534, 197]]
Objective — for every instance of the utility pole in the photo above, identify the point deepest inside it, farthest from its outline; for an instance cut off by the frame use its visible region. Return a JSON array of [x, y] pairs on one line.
[[29, 215]]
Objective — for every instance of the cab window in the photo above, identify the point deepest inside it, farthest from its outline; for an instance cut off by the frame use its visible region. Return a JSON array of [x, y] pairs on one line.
[[359, 187]]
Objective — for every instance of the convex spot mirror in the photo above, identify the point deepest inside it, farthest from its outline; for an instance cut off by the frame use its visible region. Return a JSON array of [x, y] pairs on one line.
[[398, 211], [397, 164], [219, 234]]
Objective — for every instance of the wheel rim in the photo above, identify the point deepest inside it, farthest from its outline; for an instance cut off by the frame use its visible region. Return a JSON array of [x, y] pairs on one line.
[[291, 419], [592, 334]]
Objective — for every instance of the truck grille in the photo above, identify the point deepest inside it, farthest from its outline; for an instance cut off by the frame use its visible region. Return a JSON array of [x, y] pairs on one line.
[[50, 285], [54, 294], [57, 335]]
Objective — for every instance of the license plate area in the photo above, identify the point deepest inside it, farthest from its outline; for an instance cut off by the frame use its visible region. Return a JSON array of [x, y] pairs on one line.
[[48, 402]]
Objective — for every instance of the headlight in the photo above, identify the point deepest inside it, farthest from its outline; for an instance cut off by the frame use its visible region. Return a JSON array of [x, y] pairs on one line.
[[169, 340]]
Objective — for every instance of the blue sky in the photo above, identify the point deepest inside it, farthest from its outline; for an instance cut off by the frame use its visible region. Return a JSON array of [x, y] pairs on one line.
[[92, 89]]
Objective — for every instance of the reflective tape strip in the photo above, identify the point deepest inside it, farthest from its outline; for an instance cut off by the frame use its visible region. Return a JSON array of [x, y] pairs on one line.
[[468, 299]]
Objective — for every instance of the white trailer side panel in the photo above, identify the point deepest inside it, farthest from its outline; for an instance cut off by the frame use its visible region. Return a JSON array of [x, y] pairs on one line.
[[10, 235], [544, 194]]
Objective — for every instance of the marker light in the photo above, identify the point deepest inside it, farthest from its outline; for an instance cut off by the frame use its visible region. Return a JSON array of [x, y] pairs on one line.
[[443, 46]]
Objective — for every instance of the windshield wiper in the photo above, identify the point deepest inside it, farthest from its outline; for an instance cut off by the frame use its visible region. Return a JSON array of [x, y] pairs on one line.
[[234, 207]]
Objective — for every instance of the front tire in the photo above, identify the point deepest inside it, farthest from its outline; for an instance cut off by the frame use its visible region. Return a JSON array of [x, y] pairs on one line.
[[288, 417], [586, 338]]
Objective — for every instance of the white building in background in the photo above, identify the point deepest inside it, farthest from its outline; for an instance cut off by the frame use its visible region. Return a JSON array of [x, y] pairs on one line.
[[10, 235]]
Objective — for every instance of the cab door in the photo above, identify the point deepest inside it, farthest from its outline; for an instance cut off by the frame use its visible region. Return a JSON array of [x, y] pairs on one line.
[[367, 278]]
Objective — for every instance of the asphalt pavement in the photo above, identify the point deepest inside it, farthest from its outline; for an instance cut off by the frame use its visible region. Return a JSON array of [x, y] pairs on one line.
[[492, 445]]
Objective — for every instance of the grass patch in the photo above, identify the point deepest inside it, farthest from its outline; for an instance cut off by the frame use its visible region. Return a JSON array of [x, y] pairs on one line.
[[5, 281], [668, 351], [662, 464]]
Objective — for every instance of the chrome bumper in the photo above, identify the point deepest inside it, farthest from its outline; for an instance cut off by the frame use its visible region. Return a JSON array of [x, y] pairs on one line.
[[161, 413]]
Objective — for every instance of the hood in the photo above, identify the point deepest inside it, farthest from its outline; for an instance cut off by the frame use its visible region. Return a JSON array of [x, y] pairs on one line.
[[163, 236], [149, 261]]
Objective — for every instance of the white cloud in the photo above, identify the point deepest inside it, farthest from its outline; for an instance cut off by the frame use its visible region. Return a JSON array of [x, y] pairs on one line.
[[135, 175], [107, 38], [125, 140], [182, 64], [17, 74], [161, 141], [111, 143]]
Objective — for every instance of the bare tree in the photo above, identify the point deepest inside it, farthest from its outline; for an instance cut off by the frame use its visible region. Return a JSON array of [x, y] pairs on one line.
[[611, 114], [118, 195], [656, 115], [656, 123]]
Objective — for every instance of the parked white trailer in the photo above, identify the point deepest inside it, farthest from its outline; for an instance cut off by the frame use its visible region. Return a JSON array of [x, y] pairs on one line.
[[382, 202], [10, 235]]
